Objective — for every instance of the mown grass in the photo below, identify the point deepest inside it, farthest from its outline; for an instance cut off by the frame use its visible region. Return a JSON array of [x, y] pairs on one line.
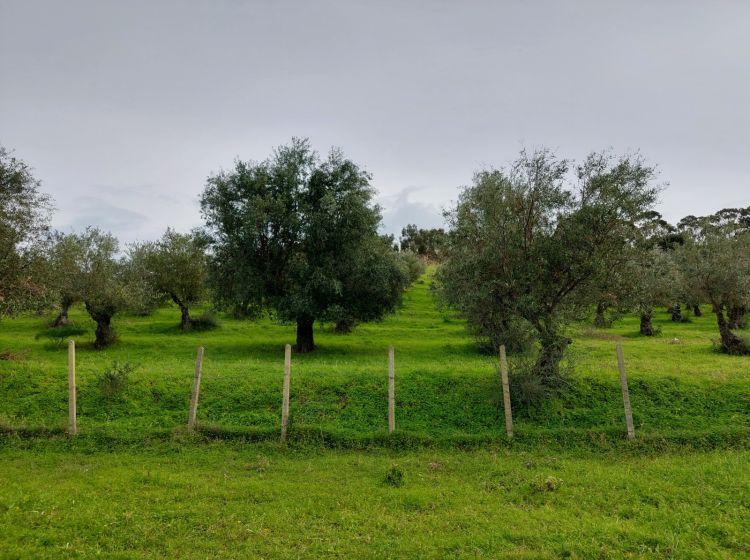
[[226, 501]]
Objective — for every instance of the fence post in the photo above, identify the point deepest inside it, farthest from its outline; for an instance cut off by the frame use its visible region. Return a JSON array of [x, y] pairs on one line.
[[196, 390], [506, 392], [72, 422], [391, 390], [625, 392], [287, 382]]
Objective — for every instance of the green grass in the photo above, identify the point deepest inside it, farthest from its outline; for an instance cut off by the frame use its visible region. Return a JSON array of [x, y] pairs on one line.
[[133, 484], [228, 501], [446, 391]]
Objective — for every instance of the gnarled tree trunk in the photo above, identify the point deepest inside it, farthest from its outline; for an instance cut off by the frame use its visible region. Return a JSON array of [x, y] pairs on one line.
[[547, 365], [105, 336], [647, 327], [62, 317], [736, 316], [600, 321], [697, 311], [676, 312], [186, 323], [730, 342], [305, 341]]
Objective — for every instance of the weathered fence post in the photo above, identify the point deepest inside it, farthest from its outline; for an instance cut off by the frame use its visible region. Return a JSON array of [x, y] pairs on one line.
[[625, 392], [72, 423], [196, 389], [506, 392], [287, 382], [391, 389]]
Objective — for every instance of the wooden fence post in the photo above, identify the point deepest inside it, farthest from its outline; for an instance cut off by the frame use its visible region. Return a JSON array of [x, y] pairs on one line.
[[391, 390], [625, 392], [196, 390], [72, 422], [506, 392], [287, 383]]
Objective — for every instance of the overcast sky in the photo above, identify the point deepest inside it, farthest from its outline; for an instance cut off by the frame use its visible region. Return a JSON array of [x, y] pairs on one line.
[[125, 107]]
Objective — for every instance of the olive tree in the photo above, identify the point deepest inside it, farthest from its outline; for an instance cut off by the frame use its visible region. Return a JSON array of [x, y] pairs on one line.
[[717, 266], [104, 289], [656, 280], [176, 267], [24, 216], [65, 261], [287, 234], [532, 245]]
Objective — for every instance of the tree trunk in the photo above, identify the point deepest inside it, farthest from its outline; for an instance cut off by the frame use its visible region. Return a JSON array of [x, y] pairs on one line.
[[736, 316], [600, 321], [647, 327], [730, 342], [547, 366], [62, 318], [676, 311], [104, 334], [344, 326], [305, 341], [697, 311]]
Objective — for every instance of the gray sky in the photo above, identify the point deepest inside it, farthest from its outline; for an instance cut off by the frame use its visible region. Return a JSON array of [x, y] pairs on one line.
[[124, 107]]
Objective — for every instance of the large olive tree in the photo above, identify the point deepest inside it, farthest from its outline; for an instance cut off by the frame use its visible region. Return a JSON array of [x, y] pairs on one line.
[[288, 234], [533, 246]]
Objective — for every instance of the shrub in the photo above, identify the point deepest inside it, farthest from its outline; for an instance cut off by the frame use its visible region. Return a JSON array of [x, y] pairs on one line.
[[114, 380], [394, 477], [58, 335], [415, 265], [206, 322]]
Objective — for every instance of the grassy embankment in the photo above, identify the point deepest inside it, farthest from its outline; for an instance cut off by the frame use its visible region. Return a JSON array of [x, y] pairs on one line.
[[134, 485]]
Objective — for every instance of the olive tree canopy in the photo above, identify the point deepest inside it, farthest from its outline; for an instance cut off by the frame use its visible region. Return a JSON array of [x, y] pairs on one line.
[[293, 234], [530, 246]]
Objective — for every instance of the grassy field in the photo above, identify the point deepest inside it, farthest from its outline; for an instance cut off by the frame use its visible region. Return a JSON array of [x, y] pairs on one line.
[[133, 484]]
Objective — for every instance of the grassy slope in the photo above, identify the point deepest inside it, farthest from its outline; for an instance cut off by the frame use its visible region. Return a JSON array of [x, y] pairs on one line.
[[445, 390], [118, 491]]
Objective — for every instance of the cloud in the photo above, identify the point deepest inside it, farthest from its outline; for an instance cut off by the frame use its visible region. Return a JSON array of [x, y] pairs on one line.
[[95, 211], [399, 210]]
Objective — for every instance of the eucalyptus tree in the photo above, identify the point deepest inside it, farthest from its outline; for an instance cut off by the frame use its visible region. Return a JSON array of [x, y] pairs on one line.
[[287, 234], [532, 245], [24, 218]]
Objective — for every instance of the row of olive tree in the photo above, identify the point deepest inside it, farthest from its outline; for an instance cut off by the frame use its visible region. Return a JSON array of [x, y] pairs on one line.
[[295, 236], [533, 246]]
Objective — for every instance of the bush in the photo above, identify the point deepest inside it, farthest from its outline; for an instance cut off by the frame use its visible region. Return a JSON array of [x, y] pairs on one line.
[[114, 380], [527, 390], [58, 335], [394, 477], [415, 265], [206, 322]]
